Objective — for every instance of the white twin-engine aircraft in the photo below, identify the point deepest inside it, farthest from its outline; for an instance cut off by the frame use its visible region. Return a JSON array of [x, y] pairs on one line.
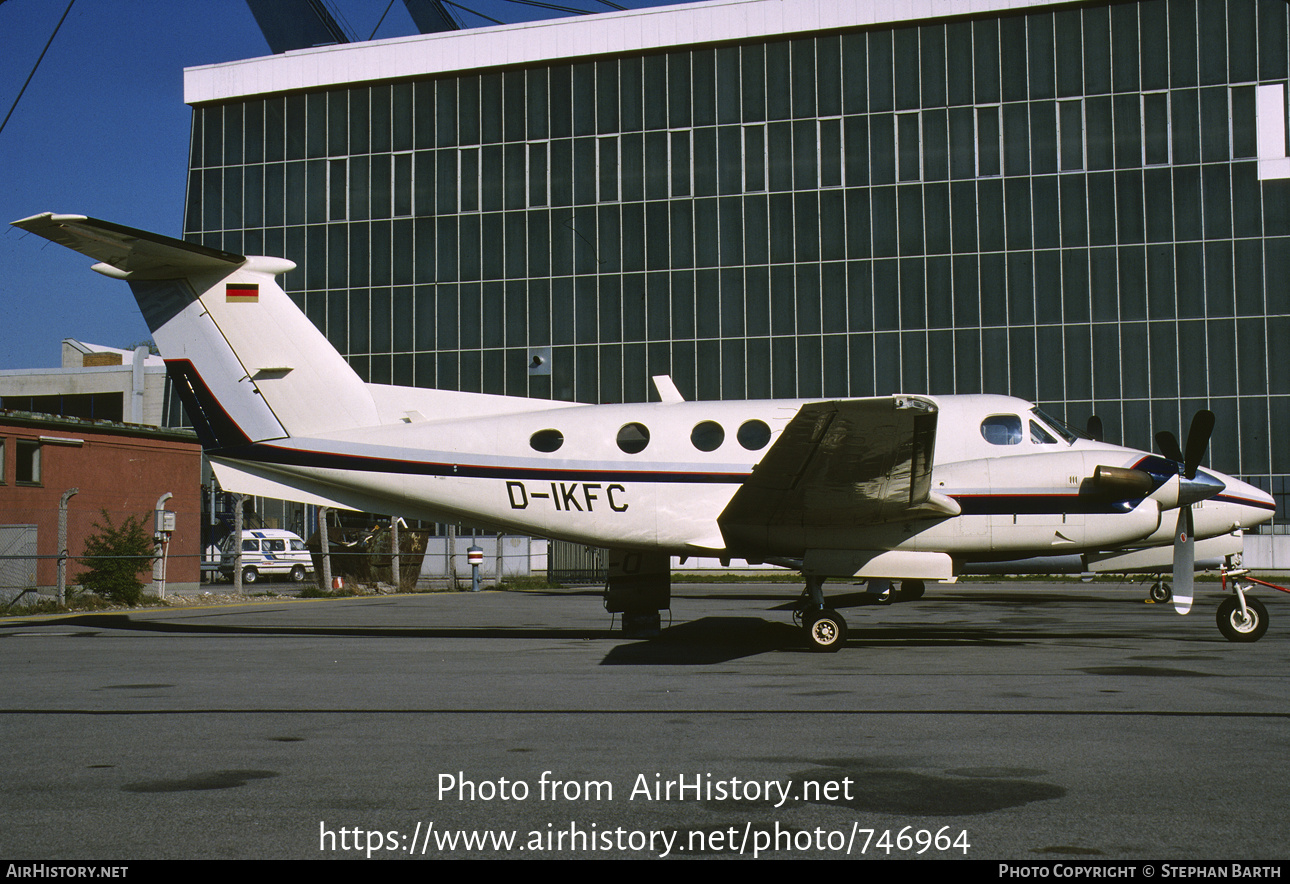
[[897, 488]]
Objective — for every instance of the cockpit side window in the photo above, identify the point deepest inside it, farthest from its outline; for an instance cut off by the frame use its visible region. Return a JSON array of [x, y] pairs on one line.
[[1040, 436], [1002, 429]]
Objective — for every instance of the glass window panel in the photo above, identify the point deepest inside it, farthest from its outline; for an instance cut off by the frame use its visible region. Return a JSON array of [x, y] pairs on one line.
[[1079, 363], [856, 145], [1160, 282], [1039, 34], [757, 301], [967, 291], [1272, 41], [1016, 139], [1043, 137], [560, 102], [1069, 45], [985, 40], [537, 103], [296, 126], [654, 88], [1217, 192], [1048, 286], [859, 299], [963, 207], [1190, 275], [1012, 55], [1133, 283], [990, 214], [962, 141], [1046, 219], [802, 54], [906, 73], [959, 62], [1099, 142], [705, 162], [855, 73], [1212, 28], [828, 76], [275, 130], [827, 229], [882, 149], [885, 221], [931, 55], [940, 295], [881, 94], [1219, 294], [678, 89], [584, 99], [936, 218], [988, 129], [859, 244], [468, 110], [909, 146], [1129, 207], [1101, 202], [512, 107], [378, 188], [703, 74], [1097, 50]]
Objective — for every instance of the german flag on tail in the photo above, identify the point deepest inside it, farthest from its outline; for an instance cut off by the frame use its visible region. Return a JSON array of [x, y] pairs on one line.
[[242, 292]]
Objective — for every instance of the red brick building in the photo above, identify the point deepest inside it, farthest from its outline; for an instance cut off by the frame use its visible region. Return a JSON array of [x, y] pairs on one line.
[[118, 468]]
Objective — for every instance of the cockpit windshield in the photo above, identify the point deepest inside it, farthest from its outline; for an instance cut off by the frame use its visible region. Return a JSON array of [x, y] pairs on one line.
[[1070, 434]]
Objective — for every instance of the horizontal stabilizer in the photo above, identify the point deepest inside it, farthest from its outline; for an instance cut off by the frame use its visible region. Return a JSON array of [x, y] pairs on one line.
[[136, 252]]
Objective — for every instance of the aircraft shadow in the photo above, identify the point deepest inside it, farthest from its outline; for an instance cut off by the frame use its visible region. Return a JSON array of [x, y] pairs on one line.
[[706, 641]]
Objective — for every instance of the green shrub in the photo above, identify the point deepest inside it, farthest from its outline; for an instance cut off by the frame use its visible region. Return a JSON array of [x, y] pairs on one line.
[[115, 556]]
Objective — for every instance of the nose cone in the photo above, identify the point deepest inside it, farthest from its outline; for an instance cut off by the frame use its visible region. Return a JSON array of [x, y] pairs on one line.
[[1256, 505]]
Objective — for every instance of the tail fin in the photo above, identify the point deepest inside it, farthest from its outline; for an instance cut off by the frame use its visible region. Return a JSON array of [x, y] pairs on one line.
[[247, 362]]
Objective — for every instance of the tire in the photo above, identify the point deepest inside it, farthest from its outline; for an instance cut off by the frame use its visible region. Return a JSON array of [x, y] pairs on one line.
[[1161, 592], [250, 575], [1238, 629], [912, 590], [298, 574], [825, 630]]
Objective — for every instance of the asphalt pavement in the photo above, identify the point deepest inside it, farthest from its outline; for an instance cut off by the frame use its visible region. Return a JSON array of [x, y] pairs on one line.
[[992, 721]]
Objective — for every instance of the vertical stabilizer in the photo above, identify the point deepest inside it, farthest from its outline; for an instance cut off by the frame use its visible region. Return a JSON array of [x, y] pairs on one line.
[[248, 363]]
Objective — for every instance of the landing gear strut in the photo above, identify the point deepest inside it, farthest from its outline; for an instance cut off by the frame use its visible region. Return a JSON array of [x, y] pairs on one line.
[[825, 629], [1161, 592]]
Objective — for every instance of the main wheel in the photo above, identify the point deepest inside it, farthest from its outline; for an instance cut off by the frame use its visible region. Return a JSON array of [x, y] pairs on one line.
[[1161, 592], [298, 574], [825, 629], [912, 590], [250, 575], [1236, 628]]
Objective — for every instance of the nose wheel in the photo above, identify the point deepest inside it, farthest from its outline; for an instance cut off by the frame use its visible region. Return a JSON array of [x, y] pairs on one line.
[[1242, 626]]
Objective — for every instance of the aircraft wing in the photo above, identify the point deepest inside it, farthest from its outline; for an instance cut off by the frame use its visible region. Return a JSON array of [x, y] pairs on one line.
[[125, 248], [843, 464]]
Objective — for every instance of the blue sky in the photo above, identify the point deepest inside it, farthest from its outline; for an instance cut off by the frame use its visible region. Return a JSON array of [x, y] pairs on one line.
[[102, 130]]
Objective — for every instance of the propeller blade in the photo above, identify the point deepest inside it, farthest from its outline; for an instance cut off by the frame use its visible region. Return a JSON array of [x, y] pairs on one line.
[[1184, 561], [1168, 445], [1094, 428], [1202, 425]]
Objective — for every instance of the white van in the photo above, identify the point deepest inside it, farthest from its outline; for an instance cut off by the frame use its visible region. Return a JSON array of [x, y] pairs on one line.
[[267, 552]]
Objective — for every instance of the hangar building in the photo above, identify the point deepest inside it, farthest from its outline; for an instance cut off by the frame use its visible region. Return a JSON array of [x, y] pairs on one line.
[[1084, 204]]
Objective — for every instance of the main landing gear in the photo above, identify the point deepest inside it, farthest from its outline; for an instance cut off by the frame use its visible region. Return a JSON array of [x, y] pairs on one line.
[[825, 629]]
